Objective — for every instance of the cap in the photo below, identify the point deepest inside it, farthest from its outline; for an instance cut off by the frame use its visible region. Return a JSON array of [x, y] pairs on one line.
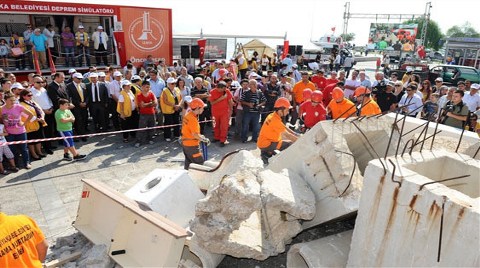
[[72, 71], [171, 80], [135, 77], [188, 99], [117, 73], [253, 75], [93, 75], [475, 86], [295, 66], [439, 79], [77, 75], [81, 27], [101, 74], [239, 54], [16, 86], [361, 91], [197, 103], [99, 27], [391, 84], [409, 69], [125, 83]]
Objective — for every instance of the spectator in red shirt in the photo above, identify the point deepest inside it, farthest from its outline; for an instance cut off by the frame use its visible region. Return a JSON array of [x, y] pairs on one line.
[[327, 92], [221, 100], [146, 103], [332, 80], [319, 80]]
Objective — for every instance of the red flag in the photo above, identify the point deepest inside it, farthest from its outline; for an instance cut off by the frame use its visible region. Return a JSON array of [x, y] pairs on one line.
[[201, 45], [333, 29], [50, 60], [35, 62], [285, 48]]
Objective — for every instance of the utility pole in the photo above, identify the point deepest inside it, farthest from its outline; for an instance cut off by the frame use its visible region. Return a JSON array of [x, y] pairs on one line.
[[426, 21]]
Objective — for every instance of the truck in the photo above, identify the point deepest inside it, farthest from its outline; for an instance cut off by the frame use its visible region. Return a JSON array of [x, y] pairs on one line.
[[134, 32]]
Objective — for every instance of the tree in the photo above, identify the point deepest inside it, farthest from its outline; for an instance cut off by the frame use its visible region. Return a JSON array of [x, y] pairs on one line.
[[465, 30], [434, 34], [348, 37]]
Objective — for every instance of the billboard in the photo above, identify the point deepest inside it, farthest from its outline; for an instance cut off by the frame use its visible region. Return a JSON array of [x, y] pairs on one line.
[[392, 36]]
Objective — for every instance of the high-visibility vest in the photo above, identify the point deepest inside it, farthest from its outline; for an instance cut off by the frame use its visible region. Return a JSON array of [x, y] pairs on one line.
[[85, 38], [21, 42]]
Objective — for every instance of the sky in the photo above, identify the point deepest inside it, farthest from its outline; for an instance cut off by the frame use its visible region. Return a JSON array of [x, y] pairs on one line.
[[301, 20]]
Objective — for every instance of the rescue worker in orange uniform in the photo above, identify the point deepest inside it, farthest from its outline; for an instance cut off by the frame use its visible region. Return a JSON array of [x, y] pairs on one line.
[[191, 136], [270, 137], [339, 106], [366, 105]]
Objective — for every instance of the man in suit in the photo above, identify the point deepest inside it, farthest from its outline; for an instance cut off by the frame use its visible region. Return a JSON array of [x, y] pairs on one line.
[[78, 96], [97, 102], [56, 90]]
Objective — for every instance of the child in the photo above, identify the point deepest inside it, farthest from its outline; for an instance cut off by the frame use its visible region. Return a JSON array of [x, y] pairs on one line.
[[431, 107], [4, 50], [65, 119], [4, 149]]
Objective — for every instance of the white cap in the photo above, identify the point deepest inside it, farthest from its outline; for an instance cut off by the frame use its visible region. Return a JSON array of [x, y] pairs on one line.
[[16, 86], [99, 27], [252, 75], [101, 74], [77, 75], [188, 99], [117, 73], [125, 83], [295, 66], [475, 86], [72, 71], [171, 80], [93, 75], [239, 54], [439, 79], [409, 69], [81, 27], [136, 77]]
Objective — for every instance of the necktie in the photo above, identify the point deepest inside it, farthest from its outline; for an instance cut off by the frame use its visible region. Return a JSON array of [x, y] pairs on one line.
[[80, 92], [97, 95], [101, 39]]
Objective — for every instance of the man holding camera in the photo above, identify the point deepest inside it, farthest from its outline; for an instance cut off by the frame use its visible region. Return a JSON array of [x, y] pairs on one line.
[[455, 111], [252, 100]]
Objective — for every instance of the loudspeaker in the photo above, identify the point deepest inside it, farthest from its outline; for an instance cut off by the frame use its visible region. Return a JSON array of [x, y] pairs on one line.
[[299, 50], [195, 51], [185, 52], [291, 50]]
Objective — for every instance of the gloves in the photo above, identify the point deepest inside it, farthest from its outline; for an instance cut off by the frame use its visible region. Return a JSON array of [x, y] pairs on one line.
[[206, 141]]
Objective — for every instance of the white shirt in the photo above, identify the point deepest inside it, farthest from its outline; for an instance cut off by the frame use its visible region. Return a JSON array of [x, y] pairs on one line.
[[114, 88], [49, 35], [132, 99], [95, 89], [237, 95], [415, 99], [473, 102], [41, 98]]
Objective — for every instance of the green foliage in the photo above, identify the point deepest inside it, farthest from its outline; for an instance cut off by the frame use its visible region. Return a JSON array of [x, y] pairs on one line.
[[348, 37], [465, 30], [434, 34]]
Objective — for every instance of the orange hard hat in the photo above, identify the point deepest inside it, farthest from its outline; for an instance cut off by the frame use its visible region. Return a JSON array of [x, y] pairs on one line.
[[361, 91], [307, 93], [282, 103], [197, 103], [317, 96], [337, 93]]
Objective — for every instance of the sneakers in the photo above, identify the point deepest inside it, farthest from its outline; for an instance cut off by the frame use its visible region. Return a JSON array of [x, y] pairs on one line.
[[151, 142], [79, 157], [265, 158], [137, 145], [67, 157], [168, 139], [28, 166]]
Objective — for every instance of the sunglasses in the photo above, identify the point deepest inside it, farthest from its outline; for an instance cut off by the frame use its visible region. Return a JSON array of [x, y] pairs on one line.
[[29, 95], [398, 85], [409, 89], [38, 82]]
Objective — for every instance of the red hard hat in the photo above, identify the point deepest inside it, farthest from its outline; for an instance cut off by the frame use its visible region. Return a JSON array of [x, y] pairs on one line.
[[361, 90], [317, 96], [197, 103], [282, 103], [307, 93], [337, 93]]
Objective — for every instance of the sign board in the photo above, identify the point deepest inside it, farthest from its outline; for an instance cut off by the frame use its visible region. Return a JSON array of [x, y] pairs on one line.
[[215, 49], [393, 36]]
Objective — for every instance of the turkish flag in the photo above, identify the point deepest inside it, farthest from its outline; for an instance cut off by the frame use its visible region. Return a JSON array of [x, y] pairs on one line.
[[35, 62], [285, 48], [201, 45], [333, 29]]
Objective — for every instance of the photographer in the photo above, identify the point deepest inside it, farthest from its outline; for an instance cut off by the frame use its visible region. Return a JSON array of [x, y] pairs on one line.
[[252, 101], [455, 111], [380, 83]]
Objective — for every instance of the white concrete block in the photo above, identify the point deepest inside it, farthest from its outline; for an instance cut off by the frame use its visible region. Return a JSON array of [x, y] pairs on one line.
[[171, 193]]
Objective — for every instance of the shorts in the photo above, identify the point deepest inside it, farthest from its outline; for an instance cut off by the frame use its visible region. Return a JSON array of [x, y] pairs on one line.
[[67, 142], [5, 150]]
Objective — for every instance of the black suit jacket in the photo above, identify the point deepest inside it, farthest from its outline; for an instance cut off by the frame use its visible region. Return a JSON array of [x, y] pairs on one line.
[[55, 93], [102, 90], [74, 96]]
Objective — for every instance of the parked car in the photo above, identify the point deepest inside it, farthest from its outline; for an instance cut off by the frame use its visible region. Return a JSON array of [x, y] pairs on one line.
[[452, 74]]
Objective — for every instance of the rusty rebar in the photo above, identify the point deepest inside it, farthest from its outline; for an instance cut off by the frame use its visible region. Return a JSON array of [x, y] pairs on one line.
[[351, 176], [373, 148], [440, 235], [219, 164], [417, 127], [433, 135], [460, 139], [436, 127], [424, 136], [449, 179], [401, 133], [391, 135], [393, 173], [406, 145]]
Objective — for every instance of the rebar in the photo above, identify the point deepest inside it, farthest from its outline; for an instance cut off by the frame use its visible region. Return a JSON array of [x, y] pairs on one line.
[[424, 136], [417, 127], [478, 149], [391, 135], [393, 173], [406, 145], [440, 235], [401, 133], [433, 135], [351, 175], [436, 127], [373, 148], [460, 139], [219, 164], [449, 179]]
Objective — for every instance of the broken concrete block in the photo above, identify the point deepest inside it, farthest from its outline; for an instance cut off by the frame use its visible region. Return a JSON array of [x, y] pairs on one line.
[[97, 256], [65, 241], [330, 251], [414, 217]]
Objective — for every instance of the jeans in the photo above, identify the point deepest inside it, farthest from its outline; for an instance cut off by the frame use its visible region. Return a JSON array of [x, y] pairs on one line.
[[22, 146], [146, 120], [69, 56], [250, 118]]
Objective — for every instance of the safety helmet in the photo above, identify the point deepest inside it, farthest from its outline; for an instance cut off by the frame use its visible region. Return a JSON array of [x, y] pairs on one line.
[[307, 93], [317, 96], [337, 93], [361, 91], [197, 103], [282, 103]]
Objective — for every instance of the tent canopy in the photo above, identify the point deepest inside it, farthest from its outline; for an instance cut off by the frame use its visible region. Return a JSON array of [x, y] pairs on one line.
[[259, 46]]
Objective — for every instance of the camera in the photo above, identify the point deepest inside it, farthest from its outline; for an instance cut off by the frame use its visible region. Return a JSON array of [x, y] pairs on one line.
[[449, 108]]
